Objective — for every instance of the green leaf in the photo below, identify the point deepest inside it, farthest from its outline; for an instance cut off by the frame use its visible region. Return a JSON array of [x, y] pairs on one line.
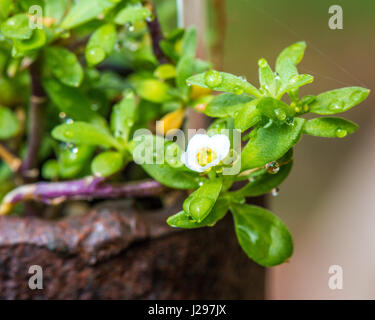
[[186, 67], [294, 83], [226, 105], [72, 102], [218, 125], [172, 177], [50, 169], [270, 143], [165, 71], [37, 40], [64, 65], [86, 10], [248, 116], [5, 8], [152, 90], [275, 109], [189, 42], [17, 27], [84, 133], [183, 220], [262, 235], [55, 9], [267, 77], [101, 44], [221, 81], [329, 127], [107, 163], [9, 124], [73, 160], [200, 203], [338, 100], [132, 13], [292, 54], [264, 183], [123, 115]]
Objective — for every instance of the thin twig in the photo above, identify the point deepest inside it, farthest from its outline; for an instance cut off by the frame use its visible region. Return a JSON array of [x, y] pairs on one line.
[[9, 158], [156, 35], [89, 188], [28, 168]]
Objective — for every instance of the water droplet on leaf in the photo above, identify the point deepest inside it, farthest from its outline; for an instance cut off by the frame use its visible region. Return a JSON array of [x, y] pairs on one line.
[[272, 167], [275, 192], [262, 63], [336, 106], [341, 133], [68, 134], [280, 114], [238, 90], [199, 206], [213, 78]]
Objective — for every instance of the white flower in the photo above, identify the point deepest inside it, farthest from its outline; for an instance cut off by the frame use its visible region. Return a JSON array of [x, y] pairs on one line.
[[204, 152]]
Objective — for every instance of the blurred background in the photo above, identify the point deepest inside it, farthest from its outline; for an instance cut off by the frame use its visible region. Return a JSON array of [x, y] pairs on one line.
[[328, 201]]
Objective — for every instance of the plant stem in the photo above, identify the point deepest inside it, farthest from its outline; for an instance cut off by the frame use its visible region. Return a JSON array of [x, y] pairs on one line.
[[156, 36], [83, 189], [28, 168]]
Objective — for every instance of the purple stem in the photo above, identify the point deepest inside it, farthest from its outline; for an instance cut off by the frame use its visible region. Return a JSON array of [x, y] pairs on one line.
[[35, 127], [156, 36], [83, 189]]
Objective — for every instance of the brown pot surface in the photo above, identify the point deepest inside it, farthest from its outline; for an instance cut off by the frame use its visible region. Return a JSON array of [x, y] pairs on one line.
[[118, 252]]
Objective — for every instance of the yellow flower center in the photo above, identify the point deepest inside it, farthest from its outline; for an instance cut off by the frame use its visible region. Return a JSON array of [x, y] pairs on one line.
[[206, 156]]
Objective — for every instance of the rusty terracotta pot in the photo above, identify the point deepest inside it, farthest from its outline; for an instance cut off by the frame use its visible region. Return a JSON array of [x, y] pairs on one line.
[[119, 252]]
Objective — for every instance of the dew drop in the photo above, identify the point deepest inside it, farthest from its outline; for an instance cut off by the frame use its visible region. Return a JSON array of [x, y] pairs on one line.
[[69, 121], [213, 79], [272, 167], [290, 121], [293, 79], [62, 115], [95, 107], [199, 206], [335, 106], [238, 90], [262, 63], [261, 90], [275, 192], [341, 133], [280, 114], [68, 134]]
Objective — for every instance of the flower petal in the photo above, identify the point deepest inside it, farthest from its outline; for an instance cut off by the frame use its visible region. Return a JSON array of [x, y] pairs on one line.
[[198, 142], [220, 144], [190, 161]]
